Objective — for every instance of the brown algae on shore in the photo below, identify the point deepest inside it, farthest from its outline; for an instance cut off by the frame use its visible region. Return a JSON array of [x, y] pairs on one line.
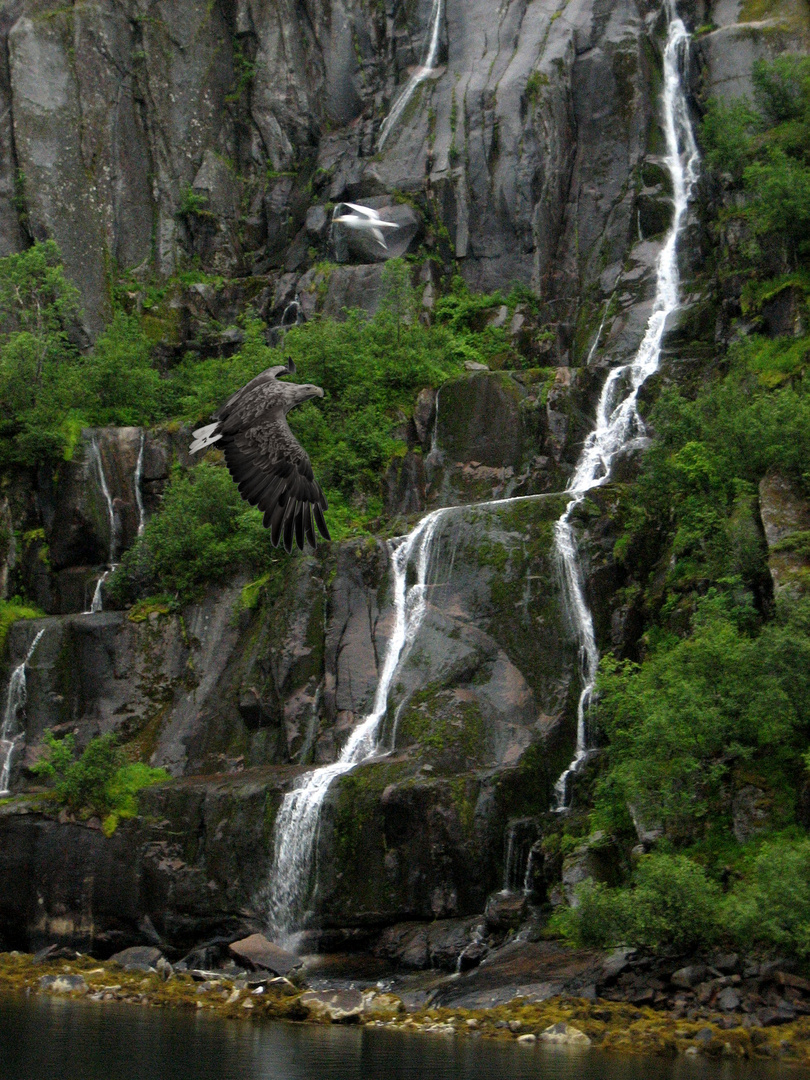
[[610, 1026]]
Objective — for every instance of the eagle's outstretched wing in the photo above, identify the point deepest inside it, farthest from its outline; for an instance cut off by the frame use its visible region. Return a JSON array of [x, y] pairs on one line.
[[272, 471], [270, 467]]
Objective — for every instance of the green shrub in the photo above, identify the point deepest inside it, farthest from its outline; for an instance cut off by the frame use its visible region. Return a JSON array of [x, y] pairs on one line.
[[672, 907], [204, 532], [771, 906], [10, 612], [678, 723], [101, 782]]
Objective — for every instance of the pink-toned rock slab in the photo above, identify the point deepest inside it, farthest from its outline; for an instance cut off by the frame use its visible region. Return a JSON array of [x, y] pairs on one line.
[[261, 953]]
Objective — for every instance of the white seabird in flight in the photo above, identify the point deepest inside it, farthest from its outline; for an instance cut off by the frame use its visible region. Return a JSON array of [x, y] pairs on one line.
[[363, 219]]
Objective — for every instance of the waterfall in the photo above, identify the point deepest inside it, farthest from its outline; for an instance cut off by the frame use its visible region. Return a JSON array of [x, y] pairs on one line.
[[95, 457], [15, 703], [617, 421], [430, 54], [434, 455], [617, 418], [297, 820], [137, 480]]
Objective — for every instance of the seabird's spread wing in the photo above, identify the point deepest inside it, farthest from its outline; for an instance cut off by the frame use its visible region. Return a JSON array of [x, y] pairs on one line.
[[363, 211]]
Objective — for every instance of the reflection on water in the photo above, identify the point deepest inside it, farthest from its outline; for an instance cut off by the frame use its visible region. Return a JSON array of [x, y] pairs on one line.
[[44, 1038]]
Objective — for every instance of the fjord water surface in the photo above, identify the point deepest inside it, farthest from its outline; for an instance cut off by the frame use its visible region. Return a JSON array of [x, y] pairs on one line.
[[43, 1038]]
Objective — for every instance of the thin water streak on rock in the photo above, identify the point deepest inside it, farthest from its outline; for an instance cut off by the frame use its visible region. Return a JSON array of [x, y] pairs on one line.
[[430, 55], [15, 703], [617, 418]]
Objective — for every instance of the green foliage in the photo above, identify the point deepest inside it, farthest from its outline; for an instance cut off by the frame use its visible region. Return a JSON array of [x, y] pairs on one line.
[[192, 203], [534, 85], [765, 147], [49, 390], [771, 905], [101, 782], [728, 131], [696, 493], [203, 533], [38, 308], [119, 384], [677, 724], [10, 612], [672, 906]]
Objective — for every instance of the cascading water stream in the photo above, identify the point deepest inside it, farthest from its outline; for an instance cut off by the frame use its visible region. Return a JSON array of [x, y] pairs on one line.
[[137, 481], [617, 418], [15, 703], [430, 54], [617, 421], [297, 820], [95, 456]]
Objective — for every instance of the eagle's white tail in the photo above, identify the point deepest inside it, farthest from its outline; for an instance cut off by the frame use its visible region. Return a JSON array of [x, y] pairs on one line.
[[205, 437]]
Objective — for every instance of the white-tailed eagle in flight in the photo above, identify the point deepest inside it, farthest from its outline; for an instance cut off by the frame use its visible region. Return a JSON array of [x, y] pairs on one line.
[[270, 467]]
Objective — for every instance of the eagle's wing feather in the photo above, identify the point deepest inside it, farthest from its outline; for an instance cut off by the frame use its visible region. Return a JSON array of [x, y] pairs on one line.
[[272, 470]]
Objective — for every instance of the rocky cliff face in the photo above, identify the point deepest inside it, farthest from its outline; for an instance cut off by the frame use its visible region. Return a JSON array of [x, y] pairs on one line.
[[144, 134], [141, 134]]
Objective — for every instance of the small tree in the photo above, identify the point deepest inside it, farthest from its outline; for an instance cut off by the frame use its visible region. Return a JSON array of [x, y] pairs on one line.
[[399, 295]]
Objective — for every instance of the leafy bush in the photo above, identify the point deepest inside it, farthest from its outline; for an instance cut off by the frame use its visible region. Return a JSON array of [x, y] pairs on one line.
[[678, 723], [672, 907], [101, 782], [203, 532], [10, 612], [771, 906], [764, 146]]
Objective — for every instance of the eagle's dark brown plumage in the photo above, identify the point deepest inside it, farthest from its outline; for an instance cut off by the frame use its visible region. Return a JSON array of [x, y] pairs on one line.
[[270, 467]]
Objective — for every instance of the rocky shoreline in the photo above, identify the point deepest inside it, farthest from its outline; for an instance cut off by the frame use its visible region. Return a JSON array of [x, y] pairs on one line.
[[324, 989]]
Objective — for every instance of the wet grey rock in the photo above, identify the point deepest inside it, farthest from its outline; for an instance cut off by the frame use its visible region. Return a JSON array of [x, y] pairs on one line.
[[784, 512], [505, 911], [138, 958], [404, 485], [335, 290], [687, 978], [480, 420], [472, 955], [750, 811], [424, 416], [728, 999], [728, 963], [592, 861], [614, 964], [63, 984], [772, 1017]]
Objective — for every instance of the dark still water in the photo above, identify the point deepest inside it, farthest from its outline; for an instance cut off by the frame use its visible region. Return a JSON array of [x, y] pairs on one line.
[[48, 1039]]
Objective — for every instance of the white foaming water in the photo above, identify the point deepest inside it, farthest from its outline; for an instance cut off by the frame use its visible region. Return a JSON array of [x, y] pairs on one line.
[[15, 703], [297, 820], [95, 456], [617, 421], [137, 479], [617, 418], [430, 54]]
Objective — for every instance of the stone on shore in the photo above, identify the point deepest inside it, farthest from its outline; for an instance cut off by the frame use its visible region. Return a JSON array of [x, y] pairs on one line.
[[333, 1006], [258, 952], [138, 958], [564, 1034], [63, 984]]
